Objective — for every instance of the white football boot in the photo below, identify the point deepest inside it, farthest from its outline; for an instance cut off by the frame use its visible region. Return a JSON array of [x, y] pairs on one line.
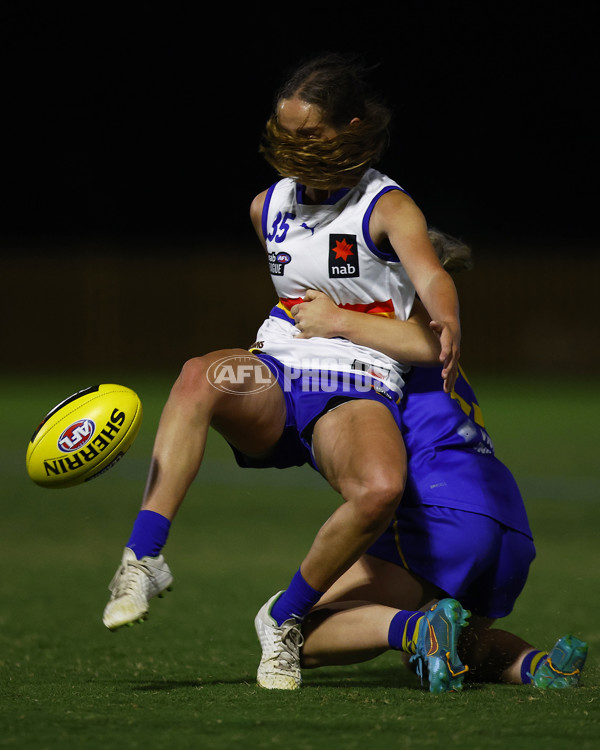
[[134, 583], [279, 667]]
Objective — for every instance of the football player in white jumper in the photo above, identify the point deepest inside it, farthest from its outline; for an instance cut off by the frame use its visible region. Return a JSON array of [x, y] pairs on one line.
[[333, 224]]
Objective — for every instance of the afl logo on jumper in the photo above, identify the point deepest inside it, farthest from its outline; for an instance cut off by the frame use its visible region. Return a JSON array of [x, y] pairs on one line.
[[343, 256], [76, 435], [278, 262]]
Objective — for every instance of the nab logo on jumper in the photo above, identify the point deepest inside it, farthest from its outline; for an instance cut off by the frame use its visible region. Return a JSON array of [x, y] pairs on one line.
[[343, 257]]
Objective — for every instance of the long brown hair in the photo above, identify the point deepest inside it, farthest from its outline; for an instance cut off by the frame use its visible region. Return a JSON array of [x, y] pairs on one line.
[[337, 86]]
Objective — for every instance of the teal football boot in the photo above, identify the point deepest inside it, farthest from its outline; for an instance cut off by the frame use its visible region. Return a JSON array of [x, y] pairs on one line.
[[436, 654], [562, 667]]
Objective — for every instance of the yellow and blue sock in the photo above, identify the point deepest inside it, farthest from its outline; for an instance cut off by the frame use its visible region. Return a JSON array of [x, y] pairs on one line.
[[530, 663], [296, 601], [404, 631], [149, 534]]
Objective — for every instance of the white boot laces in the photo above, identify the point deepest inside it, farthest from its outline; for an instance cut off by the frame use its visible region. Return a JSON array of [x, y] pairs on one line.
[[127, 576], [290, 641]]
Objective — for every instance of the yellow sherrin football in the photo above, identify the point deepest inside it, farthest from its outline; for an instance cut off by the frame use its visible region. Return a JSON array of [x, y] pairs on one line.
[[84, 436]]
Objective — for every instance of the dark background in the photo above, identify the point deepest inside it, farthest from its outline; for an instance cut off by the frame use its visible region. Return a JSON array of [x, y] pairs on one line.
[[145, 121], [130, 158]]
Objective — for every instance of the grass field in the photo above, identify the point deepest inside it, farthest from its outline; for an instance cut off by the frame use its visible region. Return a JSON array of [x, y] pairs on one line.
[[185, 679]]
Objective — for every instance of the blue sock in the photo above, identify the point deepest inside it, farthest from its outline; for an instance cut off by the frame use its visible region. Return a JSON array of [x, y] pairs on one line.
[[530, 663], [149, 534], [296, 602], [404, 631]]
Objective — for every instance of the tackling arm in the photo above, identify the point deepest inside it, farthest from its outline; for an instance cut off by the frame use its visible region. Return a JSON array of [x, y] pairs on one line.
[[410, 341]]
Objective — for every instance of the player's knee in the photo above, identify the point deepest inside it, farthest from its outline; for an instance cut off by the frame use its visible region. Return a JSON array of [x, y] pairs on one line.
[[193, 384], [377, 497]]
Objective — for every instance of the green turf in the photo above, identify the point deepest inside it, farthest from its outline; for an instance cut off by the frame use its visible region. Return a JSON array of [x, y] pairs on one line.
[[185, 679]]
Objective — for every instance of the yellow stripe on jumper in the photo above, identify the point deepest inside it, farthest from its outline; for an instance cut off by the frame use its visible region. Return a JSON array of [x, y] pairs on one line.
[[398, 545]]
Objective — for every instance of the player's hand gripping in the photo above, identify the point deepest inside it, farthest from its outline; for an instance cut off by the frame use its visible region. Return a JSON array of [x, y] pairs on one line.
[[317, 315]]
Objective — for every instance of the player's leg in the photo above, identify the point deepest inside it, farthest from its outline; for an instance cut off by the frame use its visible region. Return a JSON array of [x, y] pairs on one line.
[[496, 655], [345, 632], [377, 606], [359, 449], [374, 579], [351, 622], [349, 632], [251, 418]]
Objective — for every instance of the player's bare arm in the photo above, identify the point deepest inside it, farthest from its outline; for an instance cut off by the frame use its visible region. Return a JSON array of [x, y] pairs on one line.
[[397, 219], [411, 341]]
